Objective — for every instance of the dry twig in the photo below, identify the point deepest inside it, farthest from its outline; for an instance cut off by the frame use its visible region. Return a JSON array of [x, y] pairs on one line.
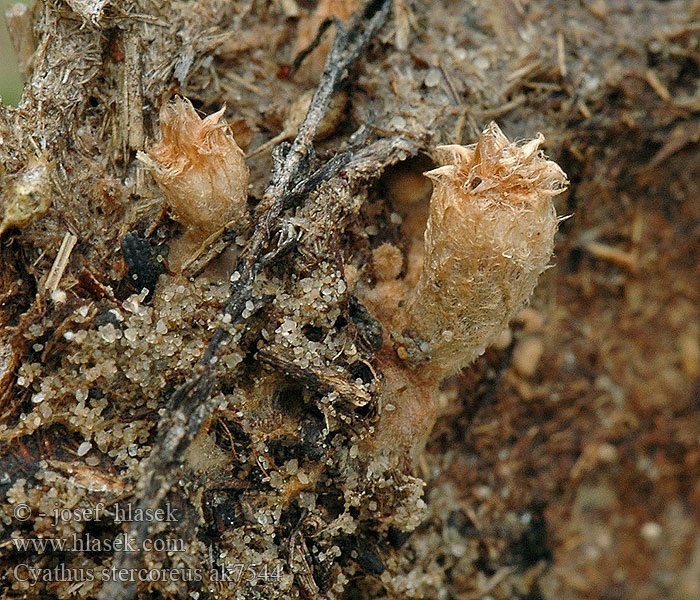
[[191, 404]]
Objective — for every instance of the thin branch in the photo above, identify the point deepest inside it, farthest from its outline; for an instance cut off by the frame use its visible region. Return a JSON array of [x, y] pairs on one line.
[[191, 404], [347, 46], [317, 379]]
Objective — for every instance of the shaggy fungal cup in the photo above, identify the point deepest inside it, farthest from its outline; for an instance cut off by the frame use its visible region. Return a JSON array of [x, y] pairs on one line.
[[202, 173], [490, 235]]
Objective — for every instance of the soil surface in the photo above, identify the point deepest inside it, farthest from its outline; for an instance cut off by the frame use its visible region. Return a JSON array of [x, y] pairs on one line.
[[565, 462]]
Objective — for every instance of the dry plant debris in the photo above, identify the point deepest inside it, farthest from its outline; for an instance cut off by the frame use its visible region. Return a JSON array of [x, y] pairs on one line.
[[270, 374]]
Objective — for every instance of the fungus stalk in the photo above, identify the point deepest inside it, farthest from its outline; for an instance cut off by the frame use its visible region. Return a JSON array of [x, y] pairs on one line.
[[202, 173], [490, 234]]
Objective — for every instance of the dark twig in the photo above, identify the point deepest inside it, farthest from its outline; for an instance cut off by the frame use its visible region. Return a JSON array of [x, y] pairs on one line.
[[313, 45], [174, 436], [286, 191], [346, 49], [324, 173], [191, 404], [317, 379]]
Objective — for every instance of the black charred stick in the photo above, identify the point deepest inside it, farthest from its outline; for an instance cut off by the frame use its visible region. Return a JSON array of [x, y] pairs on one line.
[[317, 379], [191, 404]]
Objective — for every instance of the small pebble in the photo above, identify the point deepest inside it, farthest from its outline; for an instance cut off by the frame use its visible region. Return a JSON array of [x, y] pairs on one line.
[[433, 77], [84, 448], [397, 123], [527, 354], [504, 339], [651, 531], [531, 319]]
